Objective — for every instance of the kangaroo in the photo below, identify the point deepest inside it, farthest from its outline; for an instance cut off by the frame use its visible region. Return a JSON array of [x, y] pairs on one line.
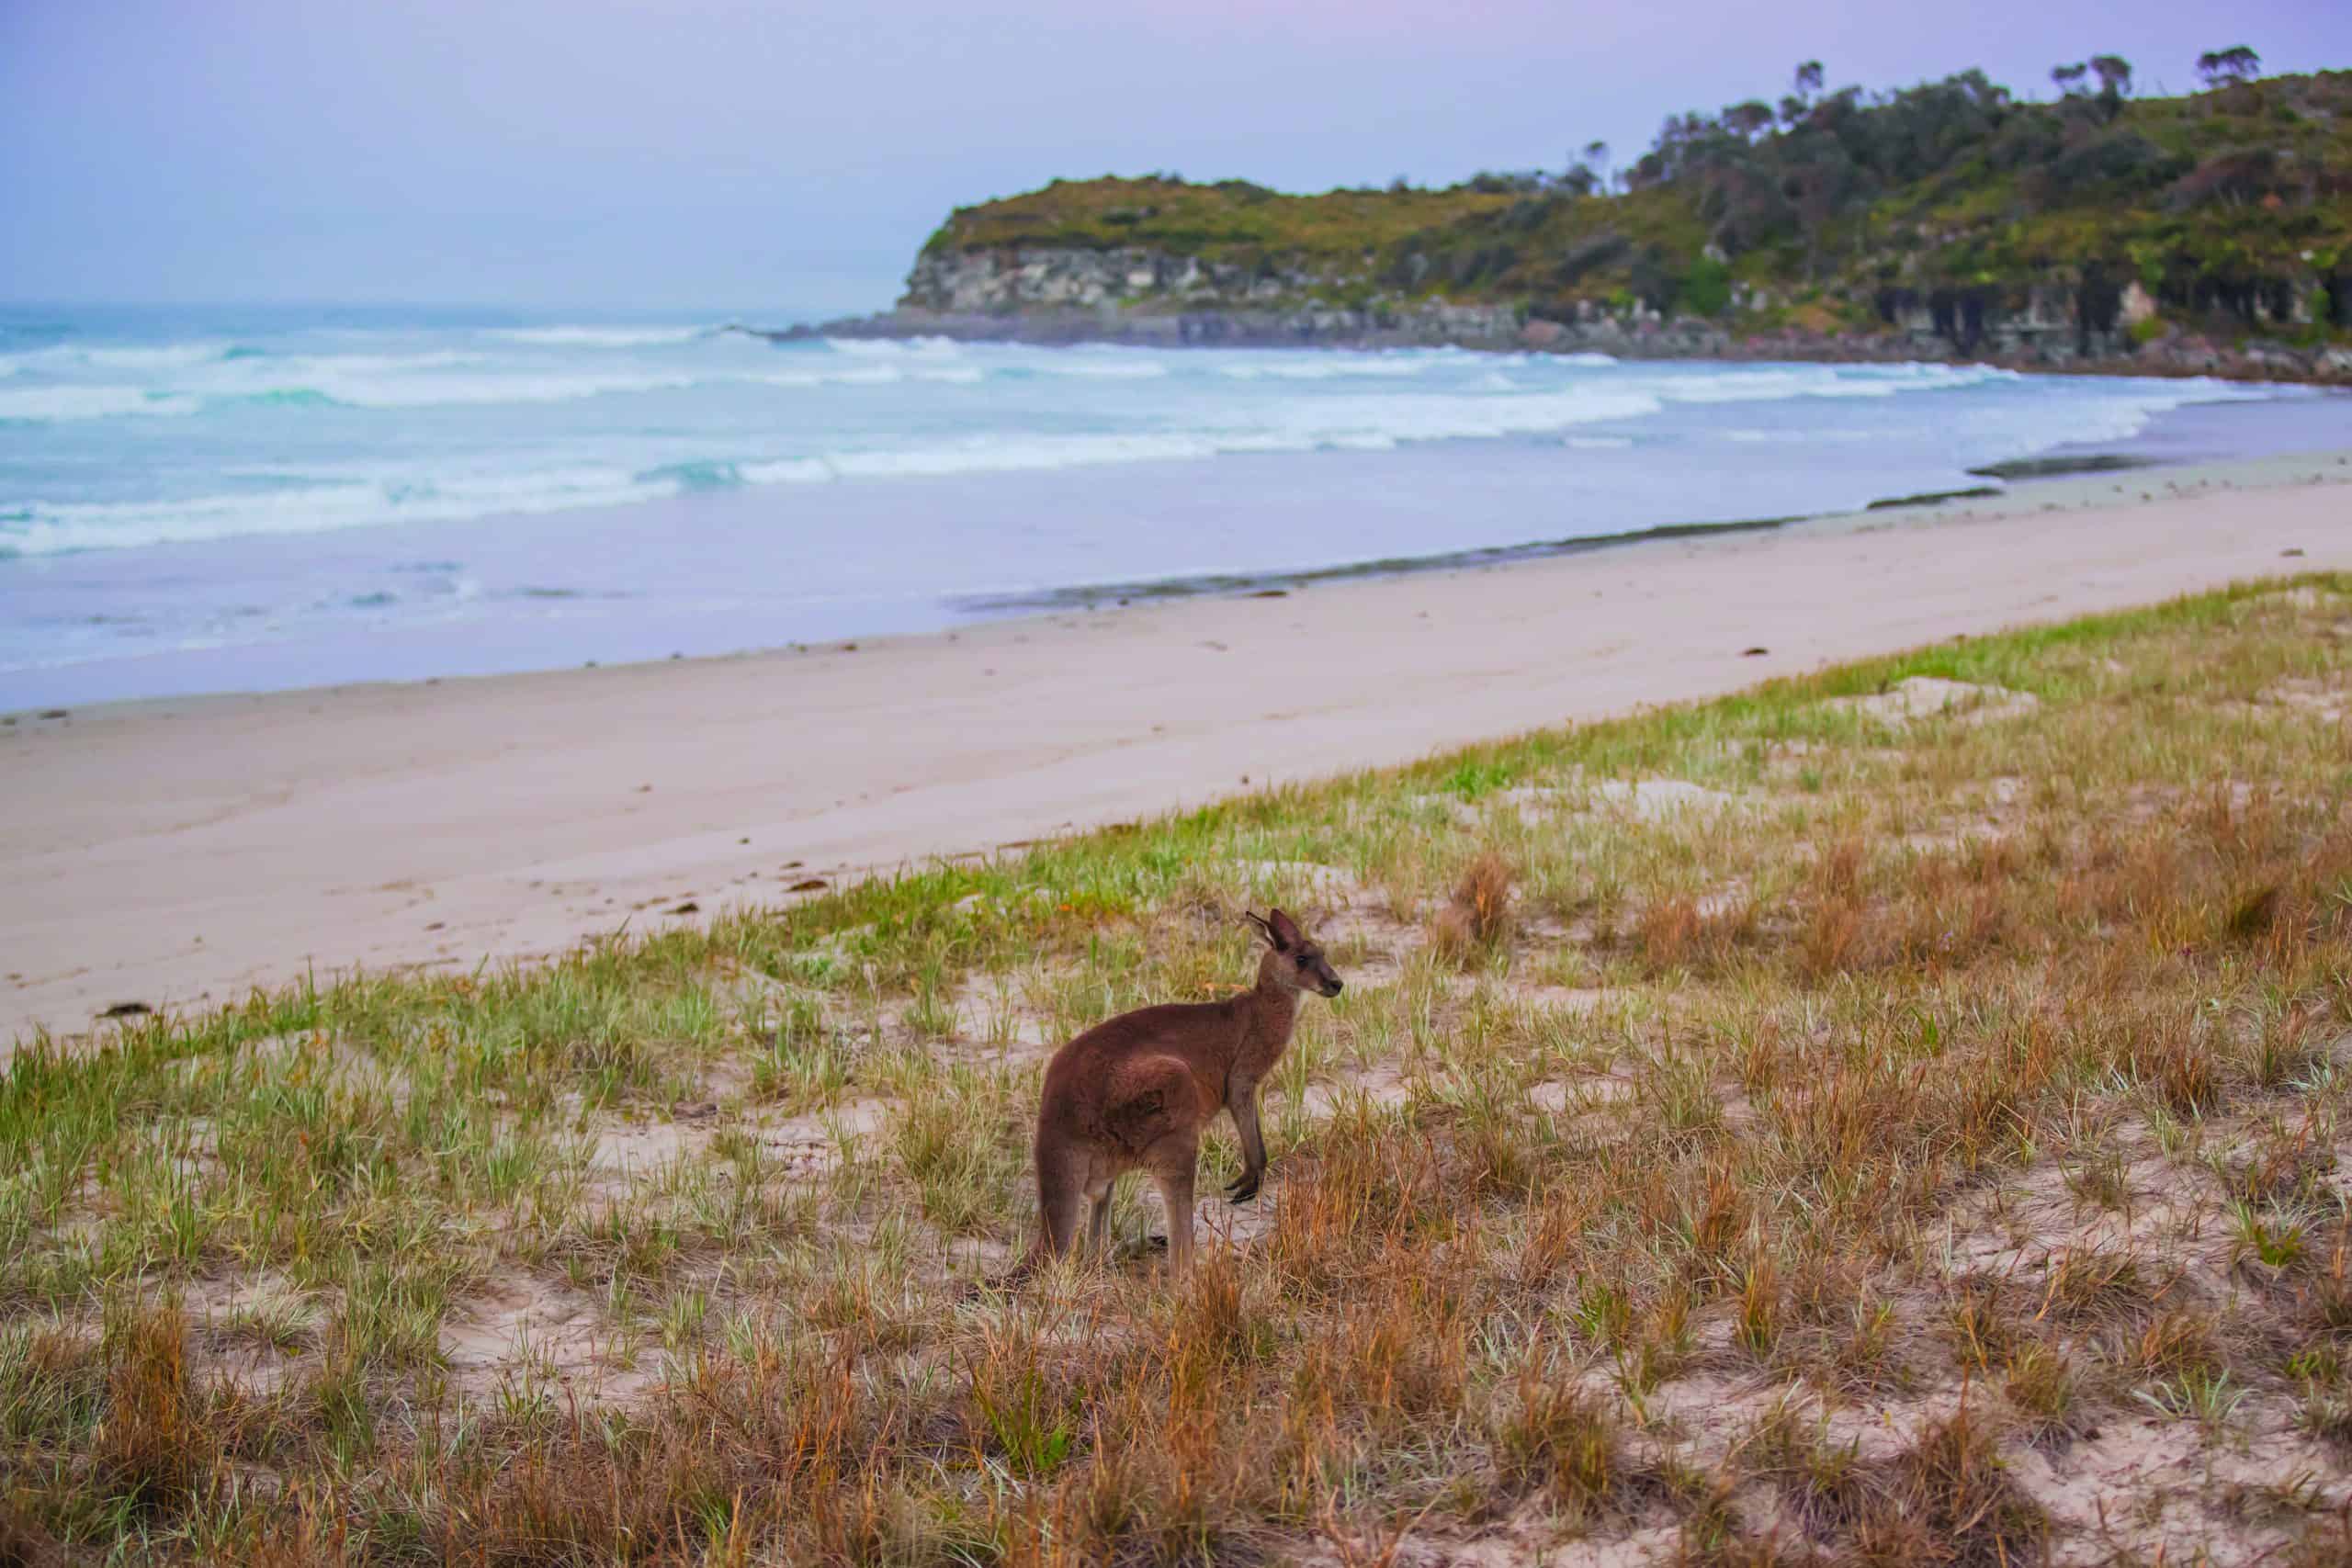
[[1133, 1093]]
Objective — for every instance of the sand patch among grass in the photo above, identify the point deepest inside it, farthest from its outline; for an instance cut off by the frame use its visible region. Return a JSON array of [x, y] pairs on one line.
[[1925, 697]]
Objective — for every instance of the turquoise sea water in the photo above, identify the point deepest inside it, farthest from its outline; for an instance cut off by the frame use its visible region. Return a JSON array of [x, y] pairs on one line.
[[201, 499]]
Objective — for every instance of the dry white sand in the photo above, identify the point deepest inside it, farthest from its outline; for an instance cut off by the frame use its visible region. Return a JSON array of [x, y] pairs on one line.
[[178, 853]]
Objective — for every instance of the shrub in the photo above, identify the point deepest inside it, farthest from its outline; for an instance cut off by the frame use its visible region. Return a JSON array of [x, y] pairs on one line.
[[1706, 288]]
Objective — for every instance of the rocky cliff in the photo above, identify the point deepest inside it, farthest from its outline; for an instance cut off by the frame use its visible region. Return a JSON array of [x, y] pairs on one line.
[[1137, 296], [2207, 235]]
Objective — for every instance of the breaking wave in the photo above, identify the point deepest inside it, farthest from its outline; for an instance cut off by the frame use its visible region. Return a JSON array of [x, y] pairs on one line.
[[118, 444]]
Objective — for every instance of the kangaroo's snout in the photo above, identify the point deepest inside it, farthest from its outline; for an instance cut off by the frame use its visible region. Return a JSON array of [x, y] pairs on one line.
[[1335, 988]]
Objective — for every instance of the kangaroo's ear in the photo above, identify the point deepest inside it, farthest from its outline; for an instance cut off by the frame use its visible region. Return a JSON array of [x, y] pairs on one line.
[[1285, 931], [1264, 929]]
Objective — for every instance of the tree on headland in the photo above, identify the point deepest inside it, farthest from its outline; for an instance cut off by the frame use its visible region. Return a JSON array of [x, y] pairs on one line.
[[2114, 74], [1588, 175], [1804, 82], [2228, 67]]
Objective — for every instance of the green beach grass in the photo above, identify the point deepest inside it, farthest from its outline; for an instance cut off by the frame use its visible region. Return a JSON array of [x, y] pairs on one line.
[[1888, 1116]]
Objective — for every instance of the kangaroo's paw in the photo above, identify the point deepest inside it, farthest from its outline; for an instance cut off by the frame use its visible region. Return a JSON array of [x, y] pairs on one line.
[[1241, 1191]]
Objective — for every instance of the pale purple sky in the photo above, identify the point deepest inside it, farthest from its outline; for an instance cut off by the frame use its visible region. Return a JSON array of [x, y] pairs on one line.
[[721, 154]]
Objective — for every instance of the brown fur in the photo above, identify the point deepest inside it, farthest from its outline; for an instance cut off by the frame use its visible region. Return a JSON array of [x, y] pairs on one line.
[[1136, 1092]]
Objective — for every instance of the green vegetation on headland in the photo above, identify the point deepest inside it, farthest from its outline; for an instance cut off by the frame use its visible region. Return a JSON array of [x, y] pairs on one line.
[[2095, 222], [1894, 1115]]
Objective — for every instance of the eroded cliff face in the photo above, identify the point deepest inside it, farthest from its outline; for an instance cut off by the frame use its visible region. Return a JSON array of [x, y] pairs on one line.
[[1058, 295], [990, 282], [1141, 295]]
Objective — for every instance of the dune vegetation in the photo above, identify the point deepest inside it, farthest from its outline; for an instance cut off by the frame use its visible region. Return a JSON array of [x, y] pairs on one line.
[[1889, 1116]]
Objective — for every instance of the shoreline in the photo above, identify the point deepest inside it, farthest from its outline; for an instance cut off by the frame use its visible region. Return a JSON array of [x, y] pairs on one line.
[[722, 576], [175, 852], [2042, 474]]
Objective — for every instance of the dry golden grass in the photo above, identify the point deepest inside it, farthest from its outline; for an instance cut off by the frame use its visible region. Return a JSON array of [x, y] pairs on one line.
[[1892, 1143], [1478, 917]]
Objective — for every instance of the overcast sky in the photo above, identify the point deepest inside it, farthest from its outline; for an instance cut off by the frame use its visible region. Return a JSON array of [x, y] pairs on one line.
[[721, 154]]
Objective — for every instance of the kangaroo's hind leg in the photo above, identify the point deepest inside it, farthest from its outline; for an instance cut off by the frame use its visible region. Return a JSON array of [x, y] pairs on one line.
[[1175, 1177], [1099, 1228]]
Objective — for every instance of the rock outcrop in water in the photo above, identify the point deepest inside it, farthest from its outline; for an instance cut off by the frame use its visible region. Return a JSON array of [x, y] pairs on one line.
[[2210, 234]]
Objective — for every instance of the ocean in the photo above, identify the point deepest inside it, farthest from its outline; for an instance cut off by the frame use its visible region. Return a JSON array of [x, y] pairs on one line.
[[221, 499]]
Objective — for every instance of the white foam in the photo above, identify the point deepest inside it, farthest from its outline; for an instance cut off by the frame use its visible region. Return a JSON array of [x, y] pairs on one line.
[[1438, 416], [839, 376], [68, 358], [894, 348], [55, 528], [369, 390], [599, 337], [1776, 384], [50, 404], [1000, 456], [268, 367], [788, 470], [1103, 370], [372, 389], [1321, 368]]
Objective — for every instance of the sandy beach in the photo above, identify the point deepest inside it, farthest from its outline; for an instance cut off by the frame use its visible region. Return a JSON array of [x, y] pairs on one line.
[[176, 854]]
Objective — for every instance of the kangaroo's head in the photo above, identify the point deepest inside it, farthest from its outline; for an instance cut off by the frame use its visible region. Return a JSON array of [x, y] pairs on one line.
[[1292, 958]]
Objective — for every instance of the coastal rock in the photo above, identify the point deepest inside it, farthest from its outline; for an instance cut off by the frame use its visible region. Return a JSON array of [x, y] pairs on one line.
[[1082, 297], [1154, 297]]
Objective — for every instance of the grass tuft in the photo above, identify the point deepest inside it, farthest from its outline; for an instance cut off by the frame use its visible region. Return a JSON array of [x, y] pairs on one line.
[[1477, 917]]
